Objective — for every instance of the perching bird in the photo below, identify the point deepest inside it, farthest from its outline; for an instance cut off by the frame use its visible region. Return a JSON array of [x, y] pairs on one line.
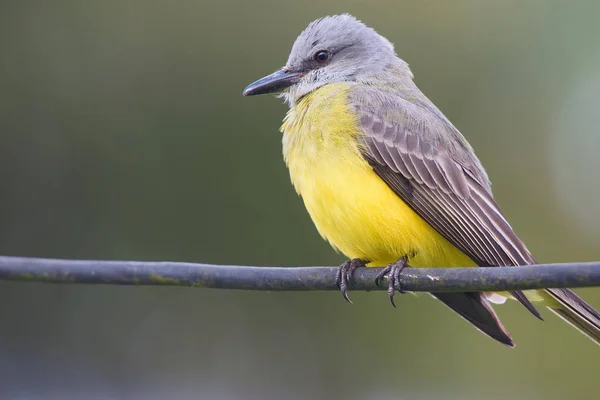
[[388, 180]]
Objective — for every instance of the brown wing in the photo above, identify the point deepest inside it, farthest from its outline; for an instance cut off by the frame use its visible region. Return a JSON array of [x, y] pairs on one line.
[[420, 164]]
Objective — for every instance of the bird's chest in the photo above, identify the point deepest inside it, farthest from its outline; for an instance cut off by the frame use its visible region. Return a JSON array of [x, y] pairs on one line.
[[321, 151], [350, 205]]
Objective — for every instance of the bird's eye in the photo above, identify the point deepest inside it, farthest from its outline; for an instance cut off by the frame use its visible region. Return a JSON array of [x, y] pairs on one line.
[[322, 56]]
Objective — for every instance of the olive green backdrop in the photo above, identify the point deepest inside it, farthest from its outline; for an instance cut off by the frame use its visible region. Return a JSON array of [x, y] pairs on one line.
[[124, 135]]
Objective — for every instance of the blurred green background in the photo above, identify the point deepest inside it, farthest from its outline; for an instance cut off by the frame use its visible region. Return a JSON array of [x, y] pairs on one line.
[[124, 135]]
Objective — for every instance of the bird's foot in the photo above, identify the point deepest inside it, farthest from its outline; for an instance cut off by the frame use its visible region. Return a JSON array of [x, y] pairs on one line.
[[345, 273], [393, 276]]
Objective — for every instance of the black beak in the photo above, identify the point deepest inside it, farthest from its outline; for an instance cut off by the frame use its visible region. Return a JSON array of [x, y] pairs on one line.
[[275, 82]]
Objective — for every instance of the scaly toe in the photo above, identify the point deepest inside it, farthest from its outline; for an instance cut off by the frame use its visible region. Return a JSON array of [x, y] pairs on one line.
[[345, 274], [393, 272], [382, 275]]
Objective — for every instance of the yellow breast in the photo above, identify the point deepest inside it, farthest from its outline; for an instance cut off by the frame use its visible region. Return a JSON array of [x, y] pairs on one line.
[[350, 205]]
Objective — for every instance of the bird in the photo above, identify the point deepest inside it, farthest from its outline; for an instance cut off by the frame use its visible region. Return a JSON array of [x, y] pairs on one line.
[[388, 180]]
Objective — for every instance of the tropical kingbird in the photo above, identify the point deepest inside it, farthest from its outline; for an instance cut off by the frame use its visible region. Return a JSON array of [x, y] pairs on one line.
[[388, 180]]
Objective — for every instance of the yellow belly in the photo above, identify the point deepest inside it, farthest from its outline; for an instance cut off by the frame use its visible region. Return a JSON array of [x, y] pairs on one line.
[[350, 205]]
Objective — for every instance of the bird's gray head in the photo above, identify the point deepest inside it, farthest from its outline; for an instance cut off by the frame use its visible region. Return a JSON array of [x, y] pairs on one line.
[[338, 48]]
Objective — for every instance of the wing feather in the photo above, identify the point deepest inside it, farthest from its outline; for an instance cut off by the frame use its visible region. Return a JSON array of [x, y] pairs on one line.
[[437, 179]]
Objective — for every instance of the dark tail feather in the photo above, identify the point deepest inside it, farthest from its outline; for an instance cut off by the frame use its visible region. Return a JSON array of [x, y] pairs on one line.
[[476, 309], [520, 296], [576, 312]]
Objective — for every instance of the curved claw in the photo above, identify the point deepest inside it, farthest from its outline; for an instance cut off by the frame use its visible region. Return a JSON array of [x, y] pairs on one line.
[[382, 275], [344, 275], [393, 273]]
